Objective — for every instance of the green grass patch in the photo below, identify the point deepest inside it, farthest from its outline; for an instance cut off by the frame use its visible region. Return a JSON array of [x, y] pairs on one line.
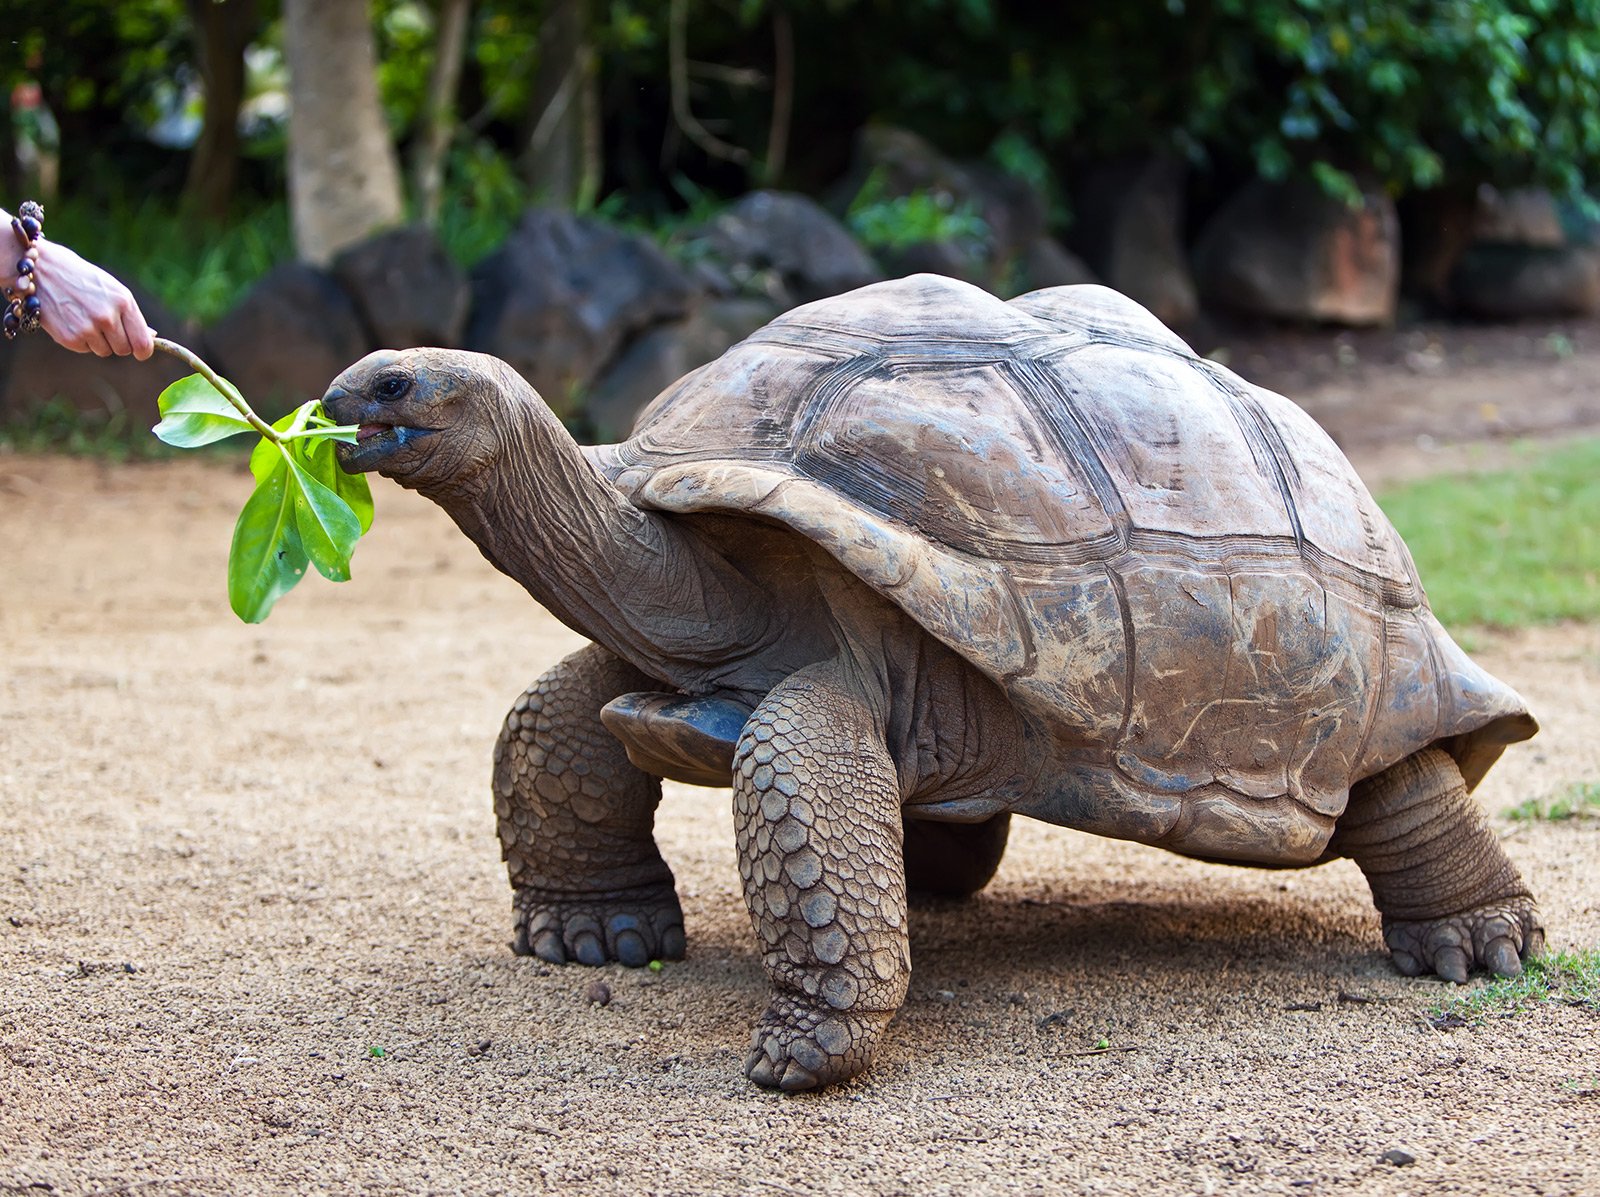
[[1579, 800], [1571, 977], [1511, 548]]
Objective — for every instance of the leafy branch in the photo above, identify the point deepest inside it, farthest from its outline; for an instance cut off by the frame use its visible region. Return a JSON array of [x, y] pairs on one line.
[[304, 510]]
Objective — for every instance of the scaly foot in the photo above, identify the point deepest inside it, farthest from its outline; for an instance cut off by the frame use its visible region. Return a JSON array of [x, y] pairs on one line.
[[1497, 937], [633, 926], [800, 1045]]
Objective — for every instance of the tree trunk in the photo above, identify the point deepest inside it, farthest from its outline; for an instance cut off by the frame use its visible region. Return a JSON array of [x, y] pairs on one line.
[[562, 158], [438, 113], [222, 30], [344, 182]]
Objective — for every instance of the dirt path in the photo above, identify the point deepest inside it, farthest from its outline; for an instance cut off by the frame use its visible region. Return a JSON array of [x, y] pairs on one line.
[[238, 863]]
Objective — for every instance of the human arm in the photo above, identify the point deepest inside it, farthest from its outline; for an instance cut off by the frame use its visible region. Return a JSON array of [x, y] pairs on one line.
[[81, 306]]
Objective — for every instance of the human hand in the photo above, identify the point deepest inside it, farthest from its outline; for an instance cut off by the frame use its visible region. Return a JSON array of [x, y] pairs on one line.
[[87, 310]]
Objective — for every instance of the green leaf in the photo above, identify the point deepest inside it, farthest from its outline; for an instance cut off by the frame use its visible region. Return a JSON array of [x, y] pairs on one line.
[[323, 465], [267, 558], [194, 413], [328, 528], [264, 458]]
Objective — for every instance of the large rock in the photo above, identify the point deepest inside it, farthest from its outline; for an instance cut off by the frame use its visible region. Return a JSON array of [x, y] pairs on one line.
[[1129, 231], [564, 293], [891, 163], [1523, 216], [662, 355], [293, 332], [35, 371], [1045, 262], [1292, 252], [953, 259], [782, 245], [406, 287], [1511, 282]]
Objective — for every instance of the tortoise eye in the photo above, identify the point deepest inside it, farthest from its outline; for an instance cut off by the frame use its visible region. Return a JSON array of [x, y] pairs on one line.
[[392, 386]]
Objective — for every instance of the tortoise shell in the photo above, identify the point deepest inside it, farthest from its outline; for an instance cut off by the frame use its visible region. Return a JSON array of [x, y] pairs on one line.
[[1176, 576]]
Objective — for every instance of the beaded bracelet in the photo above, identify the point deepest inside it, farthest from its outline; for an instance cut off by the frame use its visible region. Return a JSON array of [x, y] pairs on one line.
[[22, 298]]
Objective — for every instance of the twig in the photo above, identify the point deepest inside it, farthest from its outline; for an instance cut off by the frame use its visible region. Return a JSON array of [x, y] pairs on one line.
[[226, 388], [678, 85]]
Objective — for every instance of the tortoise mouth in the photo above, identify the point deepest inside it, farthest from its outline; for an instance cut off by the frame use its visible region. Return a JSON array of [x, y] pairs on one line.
[[377, 445]]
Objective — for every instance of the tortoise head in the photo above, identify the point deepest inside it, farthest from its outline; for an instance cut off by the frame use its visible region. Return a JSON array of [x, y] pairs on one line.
[[427, 417]]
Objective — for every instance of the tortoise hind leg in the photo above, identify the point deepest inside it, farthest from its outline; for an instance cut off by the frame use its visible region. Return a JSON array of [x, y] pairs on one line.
[[1450, 897], [953, 860]]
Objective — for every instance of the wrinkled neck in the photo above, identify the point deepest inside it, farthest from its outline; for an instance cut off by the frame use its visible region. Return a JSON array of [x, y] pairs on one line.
[[639, 583]]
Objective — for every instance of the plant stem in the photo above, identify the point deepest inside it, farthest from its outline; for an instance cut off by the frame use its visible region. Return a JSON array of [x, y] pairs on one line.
[[223, 386]]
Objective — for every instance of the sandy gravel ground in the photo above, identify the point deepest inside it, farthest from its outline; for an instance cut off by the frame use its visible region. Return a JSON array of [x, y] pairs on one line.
[[253, 930]]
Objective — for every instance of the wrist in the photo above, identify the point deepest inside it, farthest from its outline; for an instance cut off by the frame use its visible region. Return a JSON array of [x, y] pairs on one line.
[[22, 309]]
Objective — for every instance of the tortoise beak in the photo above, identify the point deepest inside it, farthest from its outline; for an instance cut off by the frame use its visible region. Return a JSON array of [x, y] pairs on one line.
[[336, 403]]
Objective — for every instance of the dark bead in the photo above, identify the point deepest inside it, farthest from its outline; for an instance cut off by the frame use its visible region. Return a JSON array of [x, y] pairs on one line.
[[25, 266], [30, 227], [11, 322], [30, 308]]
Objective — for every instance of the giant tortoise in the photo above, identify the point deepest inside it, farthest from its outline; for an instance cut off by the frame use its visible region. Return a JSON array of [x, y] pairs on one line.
[[911, 560]]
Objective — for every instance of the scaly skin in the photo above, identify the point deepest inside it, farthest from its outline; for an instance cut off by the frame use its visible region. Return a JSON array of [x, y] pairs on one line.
[[576, 824], [817, 814], [1451, 899]]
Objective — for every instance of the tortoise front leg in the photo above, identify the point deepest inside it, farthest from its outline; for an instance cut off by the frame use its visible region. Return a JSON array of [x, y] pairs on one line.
[[816, 808], [1450, 897], [576, 821]]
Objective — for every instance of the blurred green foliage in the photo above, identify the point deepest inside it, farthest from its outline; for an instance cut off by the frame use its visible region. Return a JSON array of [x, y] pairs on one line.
[[1410, 94], [145, 238], [1415, 92], [883, 221]]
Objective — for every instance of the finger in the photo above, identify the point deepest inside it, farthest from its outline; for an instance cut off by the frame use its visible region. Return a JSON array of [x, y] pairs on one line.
[[142, 338], [137, 335], [95, 342], [116, 336]]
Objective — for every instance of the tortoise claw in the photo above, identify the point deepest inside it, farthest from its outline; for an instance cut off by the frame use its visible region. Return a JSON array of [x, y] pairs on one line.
[[632, 927], [759, 1069], [1501, 958], [1408, 964], [547, 947], [1497, 938], [1451, 964]]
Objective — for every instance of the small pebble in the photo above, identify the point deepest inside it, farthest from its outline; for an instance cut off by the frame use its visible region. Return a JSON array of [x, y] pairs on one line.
[[1397, 1157], [598, 993]]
